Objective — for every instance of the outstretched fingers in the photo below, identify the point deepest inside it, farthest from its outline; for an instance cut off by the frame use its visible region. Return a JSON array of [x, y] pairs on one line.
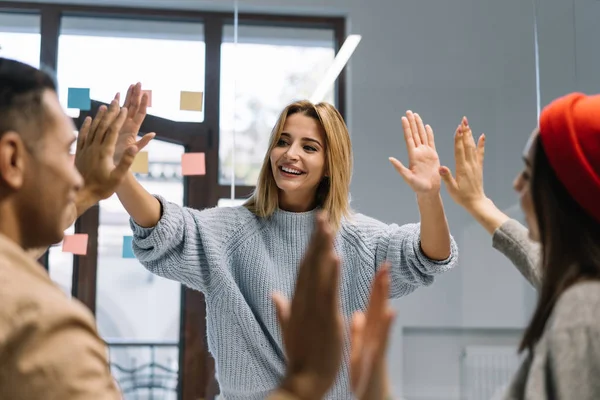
[[95, 122], [143, 142], [481, 149], [430, 136], [141, 110], [448, 179], [408, 135], [414, 130], [105, 123], [127, 103], [83, 133], [122, 168], [459, 149], [468, 141], [135, 100], [421, 129]]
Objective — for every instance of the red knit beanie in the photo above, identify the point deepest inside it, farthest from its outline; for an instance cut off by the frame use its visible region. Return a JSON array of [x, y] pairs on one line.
[[570, 135]]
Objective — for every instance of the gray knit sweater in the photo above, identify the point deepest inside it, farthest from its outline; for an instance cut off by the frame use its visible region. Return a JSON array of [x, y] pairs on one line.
[[237, 260], [565, 364]]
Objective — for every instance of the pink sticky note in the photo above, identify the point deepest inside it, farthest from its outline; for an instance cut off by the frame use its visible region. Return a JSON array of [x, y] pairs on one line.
[[76, 244], [149, 94], [193, 164]]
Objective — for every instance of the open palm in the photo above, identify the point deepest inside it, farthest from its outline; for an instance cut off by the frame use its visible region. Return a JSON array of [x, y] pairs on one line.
[[136, 103], [423, 172]]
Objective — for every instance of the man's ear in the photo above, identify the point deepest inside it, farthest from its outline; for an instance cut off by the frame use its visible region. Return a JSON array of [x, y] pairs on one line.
[[12, 160]]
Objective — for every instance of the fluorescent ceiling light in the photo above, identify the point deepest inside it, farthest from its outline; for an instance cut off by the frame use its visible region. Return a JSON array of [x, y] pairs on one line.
[[340, 61]]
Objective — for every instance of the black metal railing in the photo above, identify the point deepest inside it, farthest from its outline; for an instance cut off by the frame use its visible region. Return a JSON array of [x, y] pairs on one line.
[[145, 370]]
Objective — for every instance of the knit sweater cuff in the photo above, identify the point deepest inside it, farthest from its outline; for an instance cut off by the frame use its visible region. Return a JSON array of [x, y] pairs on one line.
[[167, 210], [158, 236], [429, 265]]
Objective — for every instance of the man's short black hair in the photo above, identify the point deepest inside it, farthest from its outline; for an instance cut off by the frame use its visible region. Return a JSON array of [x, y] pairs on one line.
[[21, 90]]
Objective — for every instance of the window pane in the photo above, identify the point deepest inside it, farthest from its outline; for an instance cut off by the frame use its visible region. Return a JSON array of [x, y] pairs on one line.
[[279, 65], [138, 313], [107, 55], [20, 38]]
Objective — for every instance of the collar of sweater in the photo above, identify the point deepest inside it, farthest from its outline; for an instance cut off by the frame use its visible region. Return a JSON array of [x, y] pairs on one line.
[[295, 220]]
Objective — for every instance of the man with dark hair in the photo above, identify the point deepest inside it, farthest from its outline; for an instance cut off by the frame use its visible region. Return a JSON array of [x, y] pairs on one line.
[[49, 345]]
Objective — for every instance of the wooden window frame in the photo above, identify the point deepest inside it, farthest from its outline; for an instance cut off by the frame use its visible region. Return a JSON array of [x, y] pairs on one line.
[[196, 366]]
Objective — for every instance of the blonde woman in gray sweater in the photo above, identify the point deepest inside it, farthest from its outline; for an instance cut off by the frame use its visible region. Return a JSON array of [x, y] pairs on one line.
[[559, 254], [559, 190]]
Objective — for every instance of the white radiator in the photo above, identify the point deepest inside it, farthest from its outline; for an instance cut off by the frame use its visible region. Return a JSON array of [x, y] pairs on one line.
[[486, 369]]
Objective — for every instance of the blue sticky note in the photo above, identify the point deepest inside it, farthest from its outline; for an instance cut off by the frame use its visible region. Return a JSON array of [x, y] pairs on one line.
[[79, 98], [127, 247]]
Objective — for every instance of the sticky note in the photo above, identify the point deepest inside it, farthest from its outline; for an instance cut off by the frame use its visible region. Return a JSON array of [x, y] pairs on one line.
[[128, 247], [79, 98], [149, 94], [193, 164], [76, 244], [191, 101], [140, 163]]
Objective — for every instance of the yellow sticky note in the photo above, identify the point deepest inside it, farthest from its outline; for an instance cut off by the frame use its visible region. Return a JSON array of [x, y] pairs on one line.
[[193, 164], [140, 163], [76, 244], [191, 101]]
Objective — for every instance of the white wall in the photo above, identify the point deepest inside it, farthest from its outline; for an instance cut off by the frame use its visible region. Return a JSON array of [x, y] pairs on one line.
[[446, 59], [568, 41]]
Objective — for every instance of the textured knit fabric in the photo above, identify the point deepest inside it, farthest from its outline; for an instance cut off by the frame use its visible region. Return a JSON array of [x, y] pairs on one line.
[[238, 260], [565, 364], [512, 240]]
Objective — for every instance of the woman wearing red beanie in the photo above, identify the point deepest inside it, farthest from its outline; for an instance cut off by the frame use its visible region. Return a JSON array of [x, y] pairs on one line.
[[559, 190]]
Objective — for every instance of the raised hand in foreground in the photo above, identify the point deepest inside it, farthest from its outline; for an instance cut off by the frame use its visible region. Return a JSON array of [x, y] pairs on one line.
[[312, 324], [94, 157], [312, 328], [136, 103], [369, 339]]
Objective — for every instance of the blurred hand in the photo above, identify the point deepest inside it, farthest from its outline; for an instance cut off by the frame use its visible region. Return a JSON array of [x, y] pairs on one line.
[[311, 323], [369, 339]]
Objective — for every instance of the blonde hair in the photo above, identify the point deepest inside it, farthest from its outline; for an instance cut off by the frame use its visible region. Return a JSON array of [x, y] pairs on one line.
[[333, 191]]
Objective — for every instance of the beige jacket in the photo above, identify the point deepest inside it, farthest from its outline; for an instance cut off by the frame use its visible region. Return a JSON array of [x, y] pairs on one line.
[[49, 345]]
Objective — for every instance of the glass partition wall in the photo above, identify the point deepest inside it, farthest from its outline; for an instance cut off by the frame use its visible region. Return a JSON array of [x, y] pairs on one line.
[[155, 328]]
